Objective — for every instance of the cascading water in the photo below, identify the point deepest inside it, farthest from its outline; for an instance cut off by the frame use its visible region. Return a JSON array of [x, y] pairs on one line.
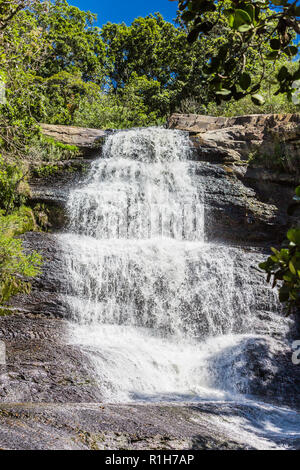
[[145, 290], [162, 314]]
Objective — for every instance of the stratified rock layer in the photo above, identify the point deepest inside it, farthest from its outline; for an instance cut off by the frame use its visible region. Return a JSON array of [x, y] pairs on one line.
[[230, 140], [84, 138]]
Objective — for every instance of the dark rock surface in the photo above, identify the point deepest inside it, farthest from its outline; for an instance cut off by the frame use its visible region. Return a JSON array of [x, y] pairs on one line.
[[110, 427], [262, 367], [235, 211], [45, 298], [40, 364]]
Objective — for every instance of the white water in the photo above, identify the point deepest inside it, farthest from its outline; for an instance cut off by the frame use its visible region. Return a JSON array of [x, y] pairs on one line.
[[153, 305]]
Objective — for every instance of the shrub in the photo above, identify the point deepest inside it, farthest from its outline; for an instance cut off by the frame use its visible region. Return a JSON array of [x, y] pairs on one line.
[[16, 267], [283, 266]]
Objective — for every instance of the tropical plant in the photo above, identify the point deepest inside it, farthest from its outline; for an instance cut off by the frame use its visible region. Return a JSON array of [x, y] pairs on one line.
[[283, 266], [268, 27], [16, 267]]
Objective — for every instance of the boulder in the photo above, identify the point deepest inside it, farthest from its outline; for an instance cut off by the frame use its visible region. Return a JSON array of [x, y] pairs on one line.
[[84, 138]]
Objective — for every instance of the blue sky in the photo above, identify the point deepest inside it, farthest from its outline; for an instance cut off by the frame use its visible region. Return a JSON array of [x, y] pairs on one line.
[[117, 11]]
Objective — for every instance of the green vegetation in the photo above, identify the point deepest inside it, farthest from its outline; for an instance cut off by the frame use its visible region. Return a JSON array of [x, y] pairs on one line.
[[283, 266], [15, 219], [16, 267], [246, 30], [278, 161]]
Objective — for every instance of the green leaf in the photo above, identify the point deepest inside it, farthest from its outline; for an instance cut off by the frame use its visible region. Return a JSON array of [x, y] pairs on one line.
[[291, 51], [263, 265], [275, 44], [231, 20], [250, 9], [244, 28], [292, 268], [241, 17], [294, 235], [257, 99], [223, 92], [245, 80]]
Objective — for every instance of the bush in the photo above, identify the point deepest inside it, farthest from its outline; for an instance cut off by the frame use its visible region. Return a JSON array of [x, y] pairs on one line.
[[46, 149], [15, 266], [127, 108], [13, 187]]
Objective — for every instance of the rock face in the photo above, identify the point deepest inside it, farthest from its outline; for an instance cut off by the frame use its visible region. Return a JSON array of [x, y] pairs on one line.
[[243, 202], [238, 210], [112, 427], [83, 138], [40, 365], [199, 123], [44, 300], [262, 368], [230, 140]]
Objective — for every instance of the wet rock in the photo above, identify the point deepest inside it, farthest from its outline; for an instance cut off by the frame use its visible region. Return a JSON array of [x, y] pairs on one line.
[[236, 212], [110, 427], [259, 366], [40, 364], [198, 426], [45, 298]]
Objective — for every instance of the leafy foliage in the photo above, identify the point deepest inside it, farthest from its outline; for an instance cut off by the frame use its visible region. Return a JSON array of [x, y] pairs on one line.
[[283, 266], [131, 106], [243, 26], [16, 267], [12, 191]]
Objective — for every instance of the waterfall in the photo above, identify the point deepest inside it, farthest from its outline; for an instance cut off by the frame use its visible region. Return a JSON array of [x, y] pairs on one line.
[[152, 303]]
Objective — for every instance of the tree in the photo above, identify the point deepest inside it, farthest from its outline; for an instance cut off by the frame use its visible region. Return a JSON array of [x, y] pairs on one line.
[[74, 43], [153, 48], [248, 25], [10, 8]]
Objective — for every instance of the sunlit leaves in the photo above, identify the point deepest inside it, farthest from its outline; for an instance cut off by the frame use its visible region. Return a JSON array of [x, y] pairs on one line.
[[251, 24]]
